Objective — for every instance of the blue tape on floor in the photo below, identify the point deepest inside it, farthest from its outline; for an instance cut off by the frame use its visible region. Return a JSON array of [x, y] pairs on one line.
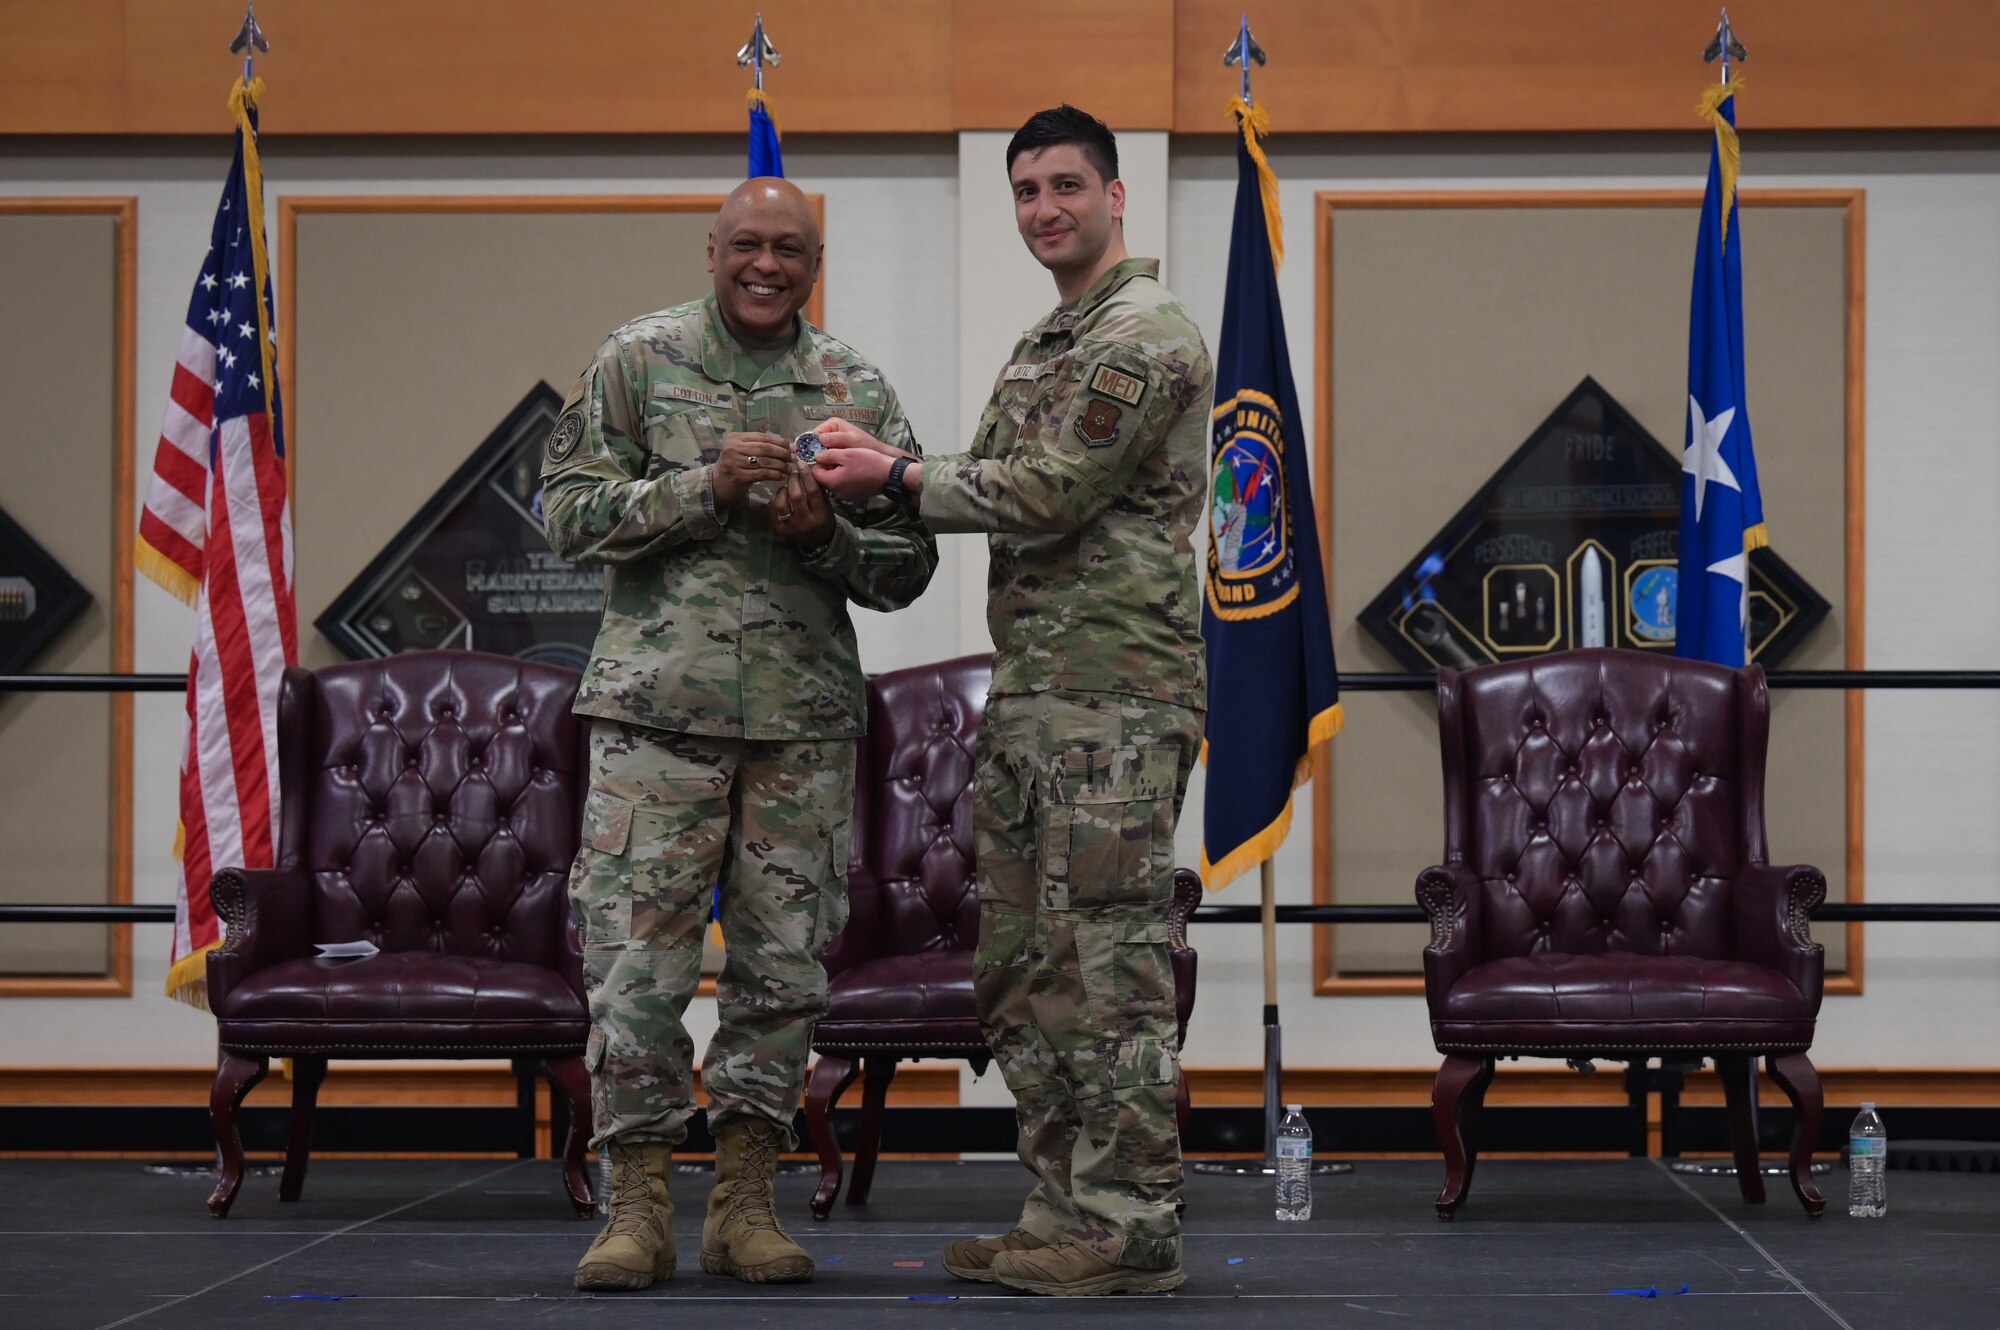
[[1236, 1260], [1647, 1292], [933, 1297], [307, 1297]]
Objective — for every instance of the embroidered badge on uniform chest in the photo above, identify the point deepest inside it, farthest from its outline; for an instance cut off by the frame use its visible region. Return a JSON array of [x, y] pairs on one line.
[[837, 391]]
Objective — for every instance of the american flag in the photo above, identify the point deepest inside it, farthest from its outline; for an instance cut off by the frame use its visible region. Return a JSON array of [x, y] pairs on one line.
[[217, 532]]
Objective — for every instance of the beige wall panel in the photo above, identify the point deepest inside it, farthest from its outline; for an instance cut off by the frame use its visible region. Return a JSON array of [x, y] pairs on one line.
[[58, 355], [416, 333], [1455, 331]]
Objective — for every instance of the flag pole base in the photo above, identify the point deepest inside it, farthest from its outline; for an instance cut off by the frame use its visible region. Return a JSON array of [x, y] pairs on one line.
[[1261, 1168], [1722, 1168]]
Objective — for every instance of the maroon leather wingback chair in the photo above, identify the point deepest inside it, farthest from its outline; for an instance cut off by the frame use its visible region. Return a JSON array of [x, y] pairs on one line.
[[431, 805], [900, 973], [1606, 891]]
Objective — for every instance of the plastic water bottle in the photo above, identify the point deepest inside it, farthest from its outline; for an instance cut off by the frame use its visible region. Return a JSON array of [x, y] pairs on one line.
[[1867, 1158], [604, 1179], [1295, 1162]]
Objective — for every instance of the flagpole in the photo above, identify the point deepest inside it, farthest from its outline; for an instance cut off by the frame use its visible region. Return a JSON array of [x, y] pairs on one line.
[[1245, 51]]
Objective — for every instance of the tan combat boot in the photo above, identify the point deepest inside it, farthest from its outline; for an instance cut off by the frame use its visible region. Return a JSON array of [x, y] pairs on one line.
[[637, 1246], [742, 1237], [1072, 1270], [973, 1258]]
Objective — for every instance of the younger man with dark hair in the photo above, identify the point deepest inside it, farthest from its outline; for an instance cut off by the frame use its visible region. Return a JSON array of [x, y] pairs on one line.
[[1086, 474]]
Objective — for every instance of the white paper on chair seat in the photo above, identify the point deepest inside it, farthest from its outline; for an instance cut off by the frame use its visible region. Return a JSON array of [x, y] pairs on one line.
[[346, 950]]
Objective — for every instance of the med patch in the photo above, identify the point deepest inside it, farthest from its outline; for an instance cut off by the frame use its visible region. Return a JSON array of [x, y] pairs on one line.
[[1121, 386], [1097, 422]]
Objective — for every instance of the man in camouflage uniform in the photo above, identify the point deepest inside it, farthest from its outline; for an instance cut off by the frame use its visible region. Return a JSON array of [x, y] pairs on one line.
[[727, 694], [1086, 473]]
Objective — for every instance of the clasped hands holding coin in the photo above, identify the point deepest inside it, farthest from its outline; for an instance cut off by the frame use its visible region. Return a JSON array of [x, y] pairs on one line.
[[798, 509]]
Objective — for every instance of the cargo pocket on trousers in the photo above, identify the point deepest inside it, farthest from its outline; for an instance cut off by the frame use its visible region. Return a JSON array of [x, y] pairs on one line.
[[833, 888], [600, 887], [1103, 810]]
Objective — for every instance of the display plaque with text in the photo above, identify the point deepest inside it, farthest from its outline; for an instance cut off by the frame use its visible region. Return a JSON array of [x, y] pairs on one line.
[[472, 569], [1572, 543]]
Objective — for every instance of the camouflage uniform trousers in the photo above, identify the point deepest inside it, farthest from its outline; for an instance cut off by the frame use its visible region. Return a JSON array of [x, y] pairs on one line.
[[1075, 799], [669, 815]]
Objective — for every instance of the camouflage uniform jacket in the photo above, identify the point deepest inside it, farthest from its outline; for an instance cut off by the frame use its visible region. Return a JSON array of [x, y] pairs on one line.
[[1087, 471], [713, 623]]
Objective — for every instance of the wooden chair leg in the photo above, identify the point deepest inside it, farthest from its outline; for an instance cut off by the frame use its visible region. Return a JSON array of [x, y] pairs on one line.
[[572, 1078], [1456, 1097], [829, 1080], [1182, 1104], [307, 1073], [1738, 1073], [234, 1076], [1795, 1076], [868, 1141]]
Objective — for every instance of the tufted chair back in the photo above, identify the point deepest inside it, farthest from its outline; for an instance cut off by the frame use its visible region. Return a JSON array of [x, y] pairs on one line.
[[909, 882], [432, 801], [1604, 800]]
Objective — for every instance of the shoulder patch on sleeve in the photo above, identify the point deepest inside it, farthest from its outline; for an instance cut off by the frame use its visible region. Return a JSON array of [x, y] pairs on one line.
[[565, 436], [1097, 423], [1121, 386]]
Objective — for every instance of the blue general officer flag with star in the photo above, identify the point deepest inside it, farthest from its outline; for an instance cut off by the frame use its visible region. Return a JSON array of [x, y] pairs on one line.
[[1272, 693], [1722, 510], [766, 156]]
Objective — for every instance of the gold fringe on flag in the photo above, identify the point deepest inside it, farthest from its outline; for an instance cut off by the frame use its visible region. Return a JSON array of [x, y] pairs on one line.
[[1728, 148], [1255, 123], [1756, 537], [1258, 848], [243, 99], [187, 978], [757, 99], [165, 571]]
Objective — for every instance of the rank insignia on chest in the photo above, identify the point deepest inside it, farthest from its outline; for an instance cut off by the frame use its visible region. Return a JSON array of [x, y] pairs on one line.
[[837, 392], [1097, 423], [1121, 386]]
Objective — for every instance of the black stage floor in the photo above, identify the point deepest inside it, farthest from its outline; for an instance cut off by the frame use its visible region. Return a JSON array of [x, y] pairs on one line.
[[439, 1244]]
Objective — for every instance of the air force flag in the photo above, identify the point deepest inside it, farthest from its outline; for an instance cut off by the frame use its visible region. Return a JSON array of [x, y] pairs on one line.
[[1722, 511], [1272, 693]]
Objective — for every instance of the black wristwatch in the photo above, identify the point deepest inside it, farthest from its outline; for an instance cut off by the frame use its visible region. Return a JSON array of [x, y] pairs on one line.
[[893, 486]]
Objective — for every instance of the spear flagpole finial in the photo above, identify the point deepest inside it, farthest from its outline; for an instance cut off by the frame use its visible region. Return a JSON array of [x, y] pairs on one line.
[[1244, 51], [756, 53], [1725, 47], [250, 40]]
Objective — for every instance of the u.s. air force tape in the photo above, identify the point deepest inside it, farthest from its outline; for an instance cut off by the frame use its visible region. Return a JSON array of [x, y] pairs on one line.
[[566, 435]]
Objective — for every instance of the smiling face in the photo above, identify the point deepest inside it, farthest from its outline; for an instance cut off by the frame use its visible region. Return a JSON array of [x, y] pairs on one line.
[[1066, 211], [765, 254]]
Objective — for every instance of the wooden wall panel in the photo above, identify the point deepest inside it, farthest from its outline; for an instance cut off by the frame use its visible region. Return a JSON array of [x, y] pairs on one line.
[[1114, 58], [1472, 65], [937, 66], [497, 67]]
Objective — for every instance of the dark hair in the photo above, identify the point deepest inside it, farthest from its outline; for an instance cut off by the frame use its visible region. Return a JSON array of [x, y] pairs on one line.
[[1066, 124]]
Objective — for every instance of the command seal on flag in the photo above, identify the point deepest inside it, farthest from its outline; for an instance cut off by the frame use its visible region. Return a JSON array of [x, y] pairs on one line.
[[1251, 572]]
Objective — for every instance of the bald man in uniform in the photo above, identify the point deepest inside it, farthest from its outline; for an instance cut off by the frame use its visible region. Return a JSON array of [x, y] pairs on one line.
[[725, 694]]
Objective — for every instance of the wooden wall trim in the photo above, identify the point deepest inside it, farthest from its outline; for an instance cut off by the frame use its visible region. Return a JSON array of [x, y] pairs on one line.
[[117, 979], [384, 1084], [1849, 982], [940, 66], [935, 1084]]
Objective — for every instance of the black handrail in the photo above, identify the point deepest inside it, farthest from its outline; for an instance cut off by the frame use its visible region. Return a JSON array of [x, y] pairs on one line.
[[1838, 912]]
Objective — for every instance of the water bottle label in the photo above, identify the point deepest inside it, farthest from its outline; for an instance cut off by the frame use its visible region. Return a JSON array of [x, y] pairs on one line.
[[1294, 1149], [1867, 1147]]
